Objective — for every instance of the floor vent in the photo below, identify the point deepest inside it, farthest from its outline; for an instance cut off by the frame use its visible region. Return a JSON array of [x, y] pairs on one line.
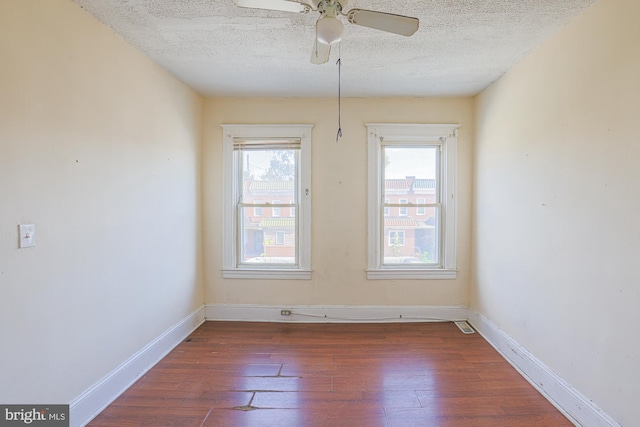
[[465, 327]]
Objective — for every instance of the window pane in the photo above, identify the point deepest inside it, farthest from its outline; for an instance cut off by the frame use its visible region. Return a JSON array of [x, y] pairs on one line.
[[410, 178], [267, 239], [410, 171], [412, 241], [269, 175]]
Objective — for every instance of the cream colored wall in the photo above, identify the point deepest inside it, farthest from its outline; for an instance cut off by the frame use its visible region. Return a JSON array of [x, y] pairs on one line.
[[556, 229], [339, 191], [99, 148]]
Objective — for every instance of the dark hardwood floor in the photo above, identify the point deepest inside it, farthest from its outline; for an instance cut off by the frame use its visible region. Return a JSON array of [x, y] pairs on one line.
[[237, 374]]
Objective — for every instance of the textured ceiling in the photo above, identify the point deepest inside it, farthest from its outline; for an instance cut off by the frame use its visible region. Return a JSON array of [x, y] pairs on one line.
[[221, 50]]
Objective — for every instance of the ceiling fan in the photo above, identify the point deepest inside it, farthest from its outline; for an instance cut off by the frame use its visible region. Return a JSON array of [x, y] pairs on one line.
[[329, 28]]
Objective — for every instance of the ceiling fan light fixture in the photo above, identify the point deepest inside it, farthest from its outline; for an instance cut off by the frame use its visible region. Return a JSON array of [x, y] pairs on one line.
[[329, 30]]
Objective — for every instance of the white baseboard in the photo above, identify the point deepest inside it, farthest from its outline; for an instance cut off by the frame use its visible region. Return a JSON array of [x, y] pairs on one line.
[[90, 403], [334, 313], [580, 410]]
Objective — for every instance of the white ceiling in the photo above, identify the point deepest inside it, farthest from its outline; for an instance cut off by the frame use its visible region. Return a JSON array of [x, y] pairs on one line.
[[221, 50]]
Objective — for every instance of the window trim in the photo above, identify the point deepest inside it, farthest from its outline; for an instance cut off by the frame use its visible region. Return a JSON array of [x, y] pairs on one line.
[[230, 268], [407, 134]]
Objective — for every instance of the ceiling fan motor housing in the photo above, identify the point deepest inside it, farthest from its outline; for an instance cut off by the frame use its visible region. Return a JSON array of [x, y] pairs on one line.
[[330, 8], [329, 28]]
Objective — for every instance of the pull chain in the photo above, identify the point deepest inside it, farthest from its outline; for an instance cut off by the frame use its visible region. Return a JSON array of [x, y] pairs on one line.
[[339, 64]]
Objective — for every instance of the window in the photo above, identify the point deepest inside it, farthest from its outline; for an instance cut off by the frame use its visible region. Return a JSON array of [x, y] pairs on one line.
[[264, 165], [403, 211], [257, 211], [421, 210], [412, 175], [275, 211], [396, 238]]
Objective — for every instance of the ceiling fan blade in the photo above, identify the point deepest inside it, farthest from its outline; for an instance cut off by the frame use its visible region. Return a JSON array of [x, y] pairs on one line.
[[320, 53], [397, 24], [284, 5]]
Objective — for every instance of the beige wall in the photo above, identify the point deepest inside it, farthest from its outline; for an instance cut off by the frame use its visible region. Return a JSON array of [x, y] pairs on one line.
[[99, 148], [339, 189], [103, 151], [556, 229]]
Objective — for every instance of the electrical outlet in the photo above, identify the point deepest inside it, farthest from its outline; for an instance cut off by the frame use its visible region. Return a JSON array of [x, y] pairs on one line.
[[285, 312]]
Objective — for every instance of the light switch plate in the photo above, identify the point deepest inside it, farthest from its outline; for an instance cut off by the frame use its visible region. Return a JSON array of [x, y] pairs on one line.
[[27, 235]]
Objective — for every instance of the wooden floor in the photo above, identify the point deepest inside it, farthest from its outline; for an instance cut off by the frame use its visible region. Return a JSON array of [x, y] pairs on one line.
[[238, 374]]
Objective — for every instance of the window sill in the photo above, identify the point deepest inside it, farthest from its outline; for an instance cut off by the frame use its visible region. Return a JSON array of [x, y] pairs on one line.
[[266, 274], [406, 274]]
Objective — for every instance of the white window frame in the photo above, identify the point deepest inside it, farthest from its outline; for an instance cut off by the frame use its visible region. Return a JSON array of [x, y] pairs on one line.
[[280, 241], [231, 269], [387, 209], [389, 134]]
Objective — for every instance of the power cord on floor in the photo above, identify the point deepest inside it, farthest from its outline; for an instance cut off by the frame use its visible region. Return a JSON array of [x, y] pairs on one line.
[[374, 319]]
